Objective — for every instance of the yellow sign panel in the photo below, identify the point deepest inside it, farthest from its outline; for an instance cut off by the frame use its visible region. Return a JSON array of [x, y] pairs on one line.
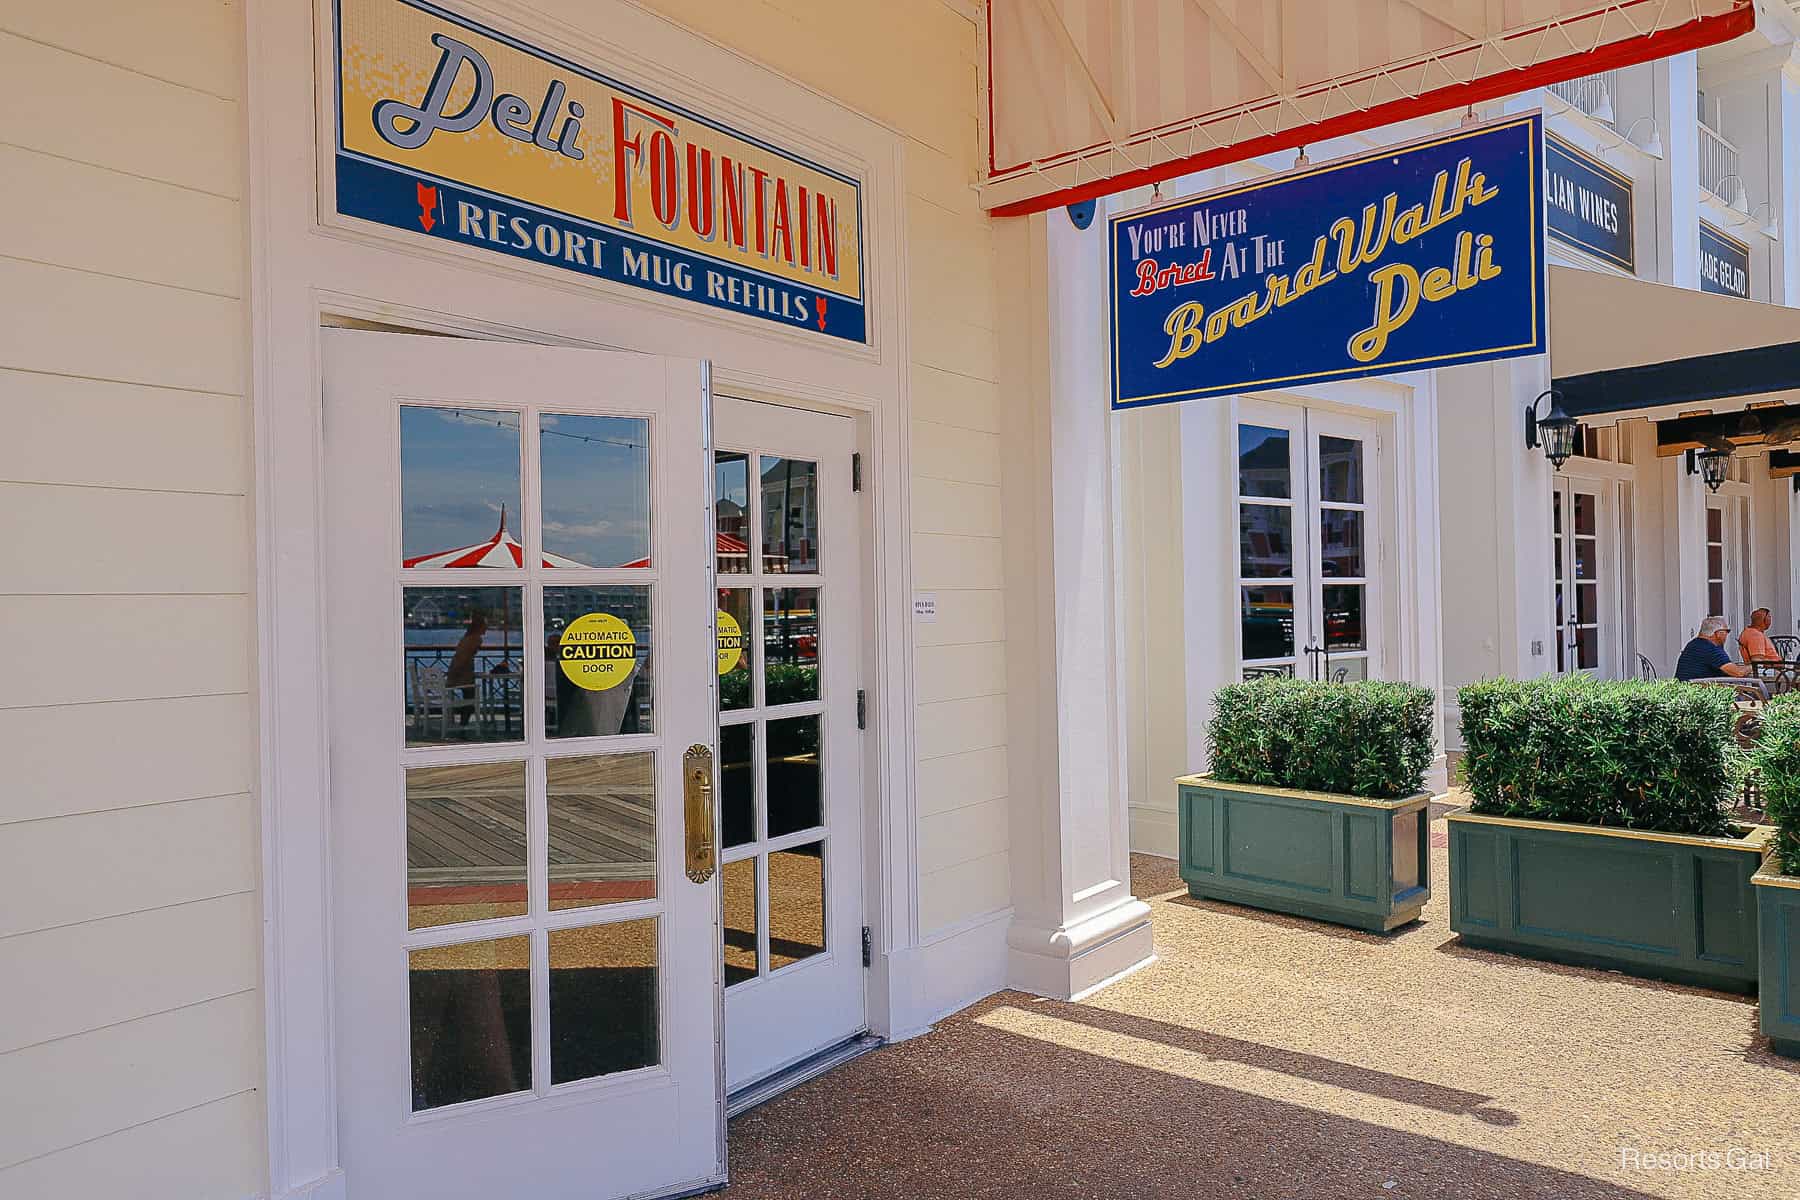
[[597, 651], [731, 643], [461, 132]]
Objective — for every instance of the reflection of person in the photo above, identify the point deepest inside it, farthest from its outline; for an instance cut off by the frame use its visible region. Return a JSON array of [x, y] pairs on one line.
[[1704, 657], [1754, 642], [461, 673]]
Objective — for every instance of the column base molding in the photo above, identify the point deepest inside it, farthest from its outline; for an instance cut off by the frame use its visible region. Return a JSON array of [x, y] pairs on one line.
[[1070, 961]]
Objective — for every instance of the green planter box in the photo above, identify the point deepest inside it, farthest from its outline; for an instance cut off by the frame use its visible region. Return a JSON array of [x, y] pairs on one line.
[[1363, 863], [1778, 962], [1662, 905]]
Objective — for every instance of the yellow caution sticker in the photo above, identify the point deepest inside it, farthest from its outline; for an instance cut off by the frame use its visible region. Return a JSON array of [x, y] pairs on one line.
[[731, 643], [597, 651]]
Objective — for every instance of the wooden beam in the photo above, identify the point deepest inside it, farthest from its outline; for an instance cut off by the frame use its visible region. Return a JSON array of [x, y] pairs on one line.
[[1437, 12], [1095, 97], [1719, 431], [1259, 62]]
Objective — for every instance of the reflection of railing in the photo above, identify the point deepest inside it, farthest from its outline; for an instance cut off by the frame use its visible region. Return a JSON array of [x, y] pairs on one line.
[[1719, 161], [489, 703], [1592, 94]]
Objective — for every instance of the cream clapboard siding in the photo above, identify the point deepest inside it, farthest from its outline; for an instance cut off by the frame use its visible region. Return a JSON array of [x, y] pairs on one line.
[[911, 65], [130, 1023]]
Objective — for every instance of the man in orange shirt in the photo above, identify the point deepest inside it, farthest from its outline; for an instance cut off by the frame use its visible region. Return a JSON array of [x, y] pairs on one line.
[[1754, 641]]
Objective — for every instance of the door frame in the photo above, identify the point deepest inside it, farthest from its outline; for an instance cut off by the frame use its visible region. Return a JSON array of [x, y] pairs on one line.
[[1612, 483], [304, 275]]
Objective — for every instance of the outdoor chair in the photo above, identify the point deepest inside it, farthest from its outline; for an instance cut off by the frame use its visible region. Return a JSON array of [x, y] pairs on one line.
[[434, 699], [1646, 668], [1786, 645], [1779, 677]]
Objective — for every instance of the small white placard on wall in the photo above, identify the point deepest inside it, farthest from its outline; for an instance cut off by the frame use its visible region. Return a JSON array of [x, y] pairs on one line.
[[925, 607]]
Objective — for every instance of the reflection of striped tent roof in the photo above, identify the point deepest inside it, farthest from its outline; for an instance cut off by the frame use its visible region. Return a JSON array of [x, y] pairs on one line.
[[726, 545], [501, 550]]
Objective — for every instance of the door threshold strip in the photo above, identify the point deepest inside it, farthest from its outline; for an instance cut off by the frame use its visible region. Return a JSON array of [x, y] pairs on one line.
[[771, 1086]]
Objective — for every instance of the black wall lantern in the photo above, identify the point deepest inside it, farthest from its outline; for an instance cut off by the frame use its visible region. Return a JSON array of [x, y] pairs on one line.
[[1554, 431], [1714, 466]]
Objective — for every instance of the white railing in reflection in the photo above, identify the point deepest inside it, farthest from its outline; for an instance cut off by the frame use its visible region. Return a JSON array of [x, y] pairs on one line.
[[1592, 94], [1719, 161]]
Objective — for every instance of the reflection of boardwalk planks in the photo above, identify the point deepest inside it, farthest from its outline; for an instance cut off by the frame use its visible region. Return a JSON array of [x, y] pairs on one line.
[[466, 824]]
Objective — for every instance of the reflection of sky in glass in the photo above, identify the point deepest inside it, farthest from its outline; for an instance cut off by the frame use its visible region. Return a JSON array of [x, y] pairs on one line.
[[595, 473], [458, 467]]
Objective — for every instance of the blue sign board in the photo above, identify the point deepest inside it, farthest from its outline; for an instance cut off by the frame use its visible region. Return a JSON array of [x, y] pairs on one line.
[[1724, 263], [1423, 255], [1588, 204]]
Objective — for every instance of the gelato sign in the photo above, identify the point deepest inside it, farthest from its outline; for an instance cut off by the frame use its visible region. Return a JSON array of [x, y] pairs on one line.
[[1418, 256], [451, 130]]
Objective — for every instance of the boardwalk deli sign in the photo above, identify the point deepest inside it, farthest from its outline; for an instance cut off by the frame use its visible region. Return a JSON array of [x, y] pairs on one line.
[[455, 131], [1418, 256]]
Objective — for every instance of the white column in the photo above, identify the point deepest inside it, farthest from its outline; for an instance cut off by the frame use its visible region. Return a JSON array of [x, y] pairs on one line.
[[1678, 179], [1075, 921]]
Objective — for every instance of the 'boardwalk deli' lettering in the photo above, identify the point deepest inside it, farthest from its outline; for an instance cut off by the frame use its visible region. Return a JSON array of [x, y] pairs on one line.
[[1396, 260], [456, 131]]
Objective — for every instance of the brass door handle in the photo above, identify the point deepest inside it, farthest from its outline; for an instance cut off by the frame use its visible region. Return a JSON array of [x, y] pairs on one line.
[[697, 788]]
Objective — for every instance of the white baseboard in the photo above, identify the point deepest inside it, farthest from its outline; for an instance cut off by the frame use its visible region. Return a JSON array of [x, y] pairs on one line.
[[1154, 830], [948, 971]]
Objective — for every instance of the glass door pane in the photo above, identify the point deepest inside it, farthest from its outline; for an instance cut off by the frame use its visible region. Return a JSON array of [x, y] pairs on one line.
[[1267, 569]]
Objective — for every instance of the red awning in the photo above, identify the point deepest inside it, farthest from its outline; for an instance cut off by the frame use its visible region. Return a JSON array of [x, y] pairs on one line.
[[1090, 97]]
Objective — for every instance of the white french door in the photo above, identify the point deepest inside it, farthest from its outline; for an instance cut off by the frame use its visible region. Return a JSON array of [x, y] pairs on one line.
[[1308, 573], [522, 666], [790, 771], [1583, 526]]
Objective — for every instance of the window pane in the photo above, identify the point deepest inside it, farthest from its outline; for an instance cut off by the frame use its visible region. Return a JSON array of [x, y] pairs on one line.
[[602, 823], [1344, 616], [602, 1000], [1284, 671], [737, 884], [1556, 512], [595, 473], [737, 784], [790, 645], [731, 511], [795, 796], [790, 515], [1715, 524], [1587, 603], [464, 663], [1715, 562], [1585, 517], [1715, 599], [1587, 649], [1268, 621], [796, 904], [736, 634], [1341, 470], [1587, 553], [1348, 670], [1341, 543], [1263, 461], [1265, 541], [459, 488], [470, 1008], [597, 667], [465, 843]]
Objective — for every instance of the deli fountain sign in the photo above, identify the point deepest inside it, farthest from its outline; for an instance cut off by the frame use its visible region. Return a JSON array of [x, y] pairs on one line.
[[454, 131], [1410, 257]]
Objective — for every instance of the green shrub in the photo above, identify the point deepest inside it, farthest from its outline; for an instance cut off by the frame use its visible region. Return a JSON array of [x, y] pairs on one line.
[[1359, 739], [1631, 753], [1777, 762]]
